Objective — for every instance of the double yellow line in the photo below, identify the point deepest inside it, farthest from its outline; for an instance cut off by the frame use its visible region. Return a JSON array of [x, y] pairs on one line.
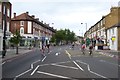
[[68, 54]]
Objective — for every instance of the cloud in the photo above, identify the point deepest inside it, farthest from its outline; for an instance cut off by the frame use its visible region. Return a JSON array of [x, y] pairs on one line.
[[66, 13]]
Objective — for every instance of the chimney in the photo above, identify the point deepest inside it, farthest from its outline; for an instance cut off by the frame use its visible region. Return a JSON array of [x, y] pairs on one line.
[[33, 16], [27, 13], [41, 21], [37, 19], [14, 15]]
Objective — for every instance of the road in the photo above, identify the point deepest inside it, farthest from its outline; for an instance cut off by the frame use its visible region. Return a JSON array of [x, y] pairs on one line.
[[62, 63]]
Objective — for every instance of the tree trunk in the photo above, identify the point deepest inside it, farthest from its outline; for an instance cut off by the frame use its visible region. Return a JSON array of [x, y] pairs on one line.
[[16, 49]]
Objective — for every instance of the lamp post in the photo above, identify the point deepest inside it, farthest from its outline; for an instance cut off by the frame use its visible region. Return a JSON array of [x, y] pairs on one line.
[[85, 25]]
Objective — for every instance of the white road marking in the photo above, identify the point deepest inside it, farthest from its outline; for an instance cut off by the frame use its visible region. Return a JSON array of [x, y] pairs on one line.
[[22, 74], [3, 63], [78, 66], [55, 63], [92, 71], [34, 63], [64, 66], [109, 63], [68, 54], [43, 58], [54, 75], [34, 70]]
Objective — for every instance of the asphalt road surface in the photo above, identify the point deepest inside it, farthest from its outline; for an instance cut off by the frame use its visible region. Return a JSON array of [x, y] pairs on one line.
[[62, 63]]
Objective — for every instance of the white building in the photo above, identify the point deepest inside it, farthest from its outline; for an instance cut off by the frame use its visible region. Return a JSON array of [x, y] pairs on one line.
[[112, 38]]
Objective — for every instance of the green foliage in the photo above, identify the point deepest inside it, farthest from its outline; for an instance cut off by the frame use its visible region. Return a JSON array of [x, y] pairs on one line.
[[64, 36], [16, 38]]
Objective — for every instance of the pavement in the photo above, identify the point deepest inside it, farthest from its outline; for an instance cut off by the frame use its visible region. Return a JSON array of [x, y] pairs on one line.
[[11, 53]]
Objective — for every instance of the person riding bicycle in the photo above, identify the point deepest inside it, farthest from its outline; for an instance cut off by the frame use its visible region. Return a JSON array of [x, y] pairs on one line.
[[90, 49], [73, 45], [83, 49], [48, 47]]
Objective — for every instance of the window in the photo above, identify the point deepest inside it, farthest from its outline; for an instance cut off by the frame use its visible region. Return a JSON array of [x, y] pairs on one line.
[[104, 21], [8, 12], [21, 30], [112, 31], [3, 25], [4, 10], [21, 23], [0, 8], [8, 24]]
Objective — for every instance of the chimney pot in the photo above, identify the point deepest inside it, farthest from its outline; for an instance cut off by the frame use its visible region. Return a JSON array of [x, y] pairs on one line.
[[14, 15], [33, 16], [27, 12]]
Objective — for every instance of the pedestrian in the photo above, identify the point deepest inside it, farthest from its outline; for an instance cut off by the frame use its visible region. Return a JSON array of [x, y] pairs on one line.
[[90, 49]]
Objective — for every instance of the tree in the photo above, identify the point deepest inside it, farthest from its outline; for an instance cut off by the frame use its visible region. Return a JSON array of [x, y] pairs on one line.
[[16, 39], [63, 36]]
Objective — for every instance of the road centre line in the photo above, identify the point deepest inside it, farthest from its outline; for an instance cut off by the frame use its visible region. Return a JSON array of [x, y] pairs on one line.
[[54, 75], [65, 66], [34, 70], [78, 66], [92, 71], [43, 58], [68, 54]]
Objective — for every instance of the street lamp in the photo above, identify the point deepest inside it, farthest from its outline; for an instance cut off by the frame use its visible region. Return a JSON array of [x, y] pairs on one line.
[[85, 25]]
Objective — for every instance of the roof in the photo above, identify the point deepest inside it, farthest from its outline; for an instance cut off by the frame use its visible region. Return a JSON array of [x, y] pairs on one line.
[[26, 17], [23, 16]]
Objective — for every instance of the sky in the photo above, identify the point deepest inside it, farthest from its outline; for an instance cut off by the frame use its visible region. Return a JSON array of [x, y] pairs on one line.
[[67, 14]]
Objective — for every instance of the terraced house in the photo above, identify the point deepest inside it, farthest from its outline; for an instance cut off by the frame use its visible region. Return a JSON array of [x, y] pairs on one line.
[[33, 32], [5, 22], [106, 32]]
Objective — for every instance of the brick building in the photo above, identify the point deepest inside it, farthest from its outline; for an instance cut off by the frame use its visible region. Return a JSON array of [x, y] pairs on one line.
[[5, 22], [31, 29], [107, 30]]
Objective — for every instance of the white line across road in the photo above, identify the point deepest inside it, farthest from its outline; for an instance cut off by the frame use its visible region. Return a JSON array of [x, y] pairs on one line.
[[54, 75], [78, 66], [65, 66], [35, 70]]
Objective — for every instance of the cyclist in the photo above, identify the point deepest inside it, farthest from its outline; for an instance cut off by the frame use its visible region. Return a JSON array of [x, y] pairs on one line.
[[73, 46], [43, 50], [90, 49], [83, 49], [48, 47]]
